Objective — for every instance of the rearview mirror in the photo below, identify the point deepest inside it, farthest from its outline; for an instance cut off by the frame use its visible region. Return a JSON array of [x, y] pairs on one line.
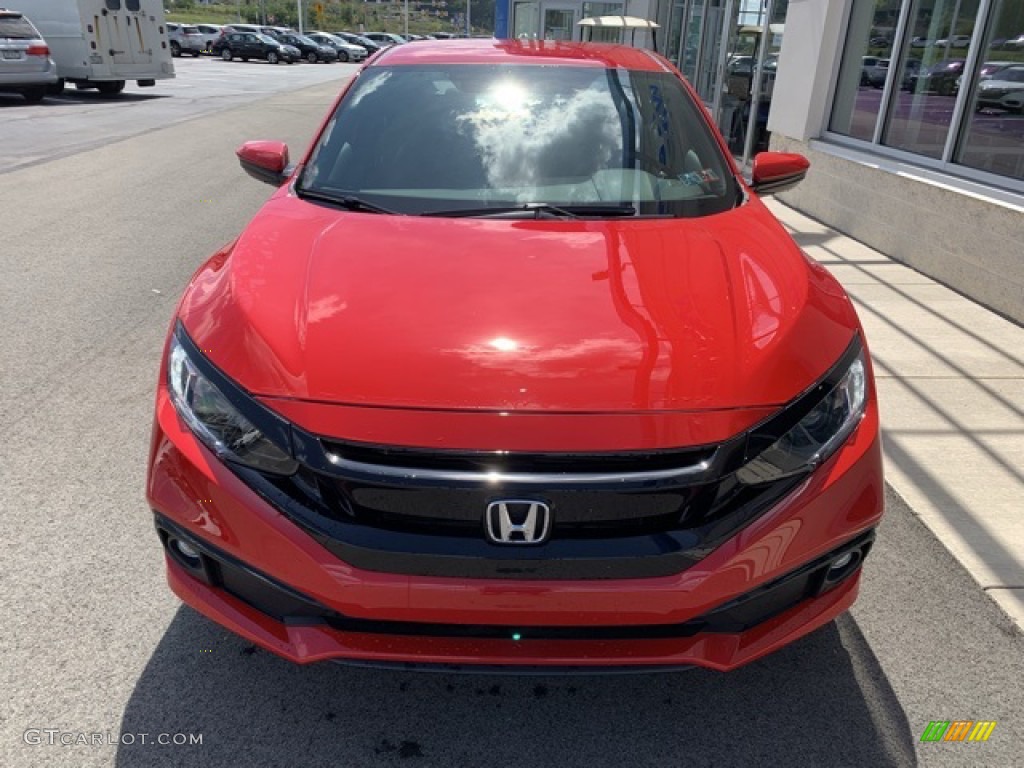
[[265, 161], [775, 171]]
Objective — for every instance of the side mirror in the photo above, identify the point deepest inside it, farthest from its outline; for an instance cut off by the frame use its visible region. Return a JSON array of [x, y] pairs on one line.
[[776, 171], [265, 161]]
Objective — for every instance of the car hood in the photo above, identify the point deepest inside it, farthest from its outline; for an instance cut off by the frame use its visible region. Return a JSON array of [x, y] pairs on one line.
[[627, 315]]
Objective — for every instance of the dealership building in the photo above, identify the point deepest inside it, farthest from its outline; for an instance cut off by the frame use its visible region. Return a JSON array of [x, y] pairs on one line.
[[907, 110]]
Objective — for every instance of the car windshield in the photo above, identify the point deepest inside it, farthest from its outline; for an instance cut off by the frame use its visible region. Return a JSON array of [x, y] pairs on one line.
[[464, 137], [267, 39], [303, 39]]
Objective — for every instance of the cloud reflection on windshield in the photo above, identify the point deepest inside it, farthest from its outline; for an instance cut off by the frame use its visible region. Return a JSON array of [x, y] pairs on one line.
[[525, 141]]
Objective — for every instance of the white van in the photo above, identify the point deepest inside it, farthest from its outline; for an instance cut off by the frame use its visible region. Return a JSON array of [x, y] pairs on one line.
[[102, 43]]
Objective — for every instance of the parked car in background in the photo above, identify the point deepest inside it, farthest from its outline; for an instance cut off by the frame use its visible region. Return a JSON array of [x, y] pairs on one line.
[[1003, 90], [253, 45], [254, 28], [311, 51], [25, 63], [603, 412], [744, 65], [911, 69], [941, 78], [102, 44], [956, 41], [874, 71], [1016, 43], [185, 38], [991, 69], [210, 33], [227, 29], [346, 51], [385, 39], [366, 43]]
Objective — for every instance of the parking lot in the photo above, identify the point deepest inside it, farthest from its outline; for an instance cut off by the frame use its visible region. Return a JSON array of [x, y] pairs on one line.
[[108, 207], [79, 120]]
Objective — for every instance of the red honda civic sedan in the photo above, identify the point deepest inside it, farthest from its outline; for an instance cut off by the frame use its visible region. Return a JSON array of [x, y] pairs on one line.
[[576, 401]]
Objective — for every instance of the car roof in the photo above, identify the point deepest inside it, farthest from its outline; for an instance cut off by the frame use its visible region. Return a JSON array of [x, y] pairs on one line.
[[547, 52]]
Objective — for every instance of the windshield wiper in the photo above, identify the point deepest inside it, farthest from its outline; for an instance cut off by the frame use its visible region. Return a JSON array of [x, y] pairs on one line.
[[348, 202], [538, 210]]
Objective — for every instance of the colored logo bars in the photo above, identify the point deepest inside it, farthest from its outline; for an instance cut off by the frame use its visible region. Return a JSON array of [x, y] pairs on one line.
[[958, 730]]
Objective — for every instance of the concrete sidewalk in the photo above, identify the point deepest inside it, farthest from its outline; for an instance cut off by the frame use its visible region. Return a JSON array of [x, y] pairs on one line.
[[950, 377]]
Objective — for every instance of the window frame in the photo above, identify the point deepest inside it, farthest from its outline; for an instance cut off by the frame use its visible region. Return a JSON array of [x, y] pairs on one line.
[[958, 120]]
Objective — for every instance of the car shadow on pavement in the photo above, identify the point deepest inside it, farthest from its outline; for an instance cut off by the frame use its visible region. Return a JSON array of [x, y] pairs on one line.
[[821, 701], [78, 97]]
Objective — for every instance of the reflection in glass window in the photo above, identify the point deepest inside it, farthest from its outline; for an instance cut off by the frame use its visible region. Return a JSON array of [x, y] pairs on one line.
[[603, 9], [922, 111], [993, 139], [559, 24], [525, 20], [864, 68], [674, 34]]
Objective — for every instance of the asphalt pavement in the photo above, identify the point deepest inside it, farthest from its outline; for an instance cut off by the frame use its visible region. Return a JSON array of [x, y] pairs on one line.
[[97, 247]]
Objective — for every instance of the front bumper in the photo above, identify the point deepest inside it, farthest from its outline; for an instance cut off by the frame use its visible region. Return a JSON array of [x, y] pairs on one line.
[[370, 616]]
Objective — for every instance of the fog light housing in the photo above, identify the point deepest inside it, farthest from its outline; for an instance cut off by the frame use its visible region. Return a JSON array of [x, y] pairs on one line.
[[841, 562], [187, 551]]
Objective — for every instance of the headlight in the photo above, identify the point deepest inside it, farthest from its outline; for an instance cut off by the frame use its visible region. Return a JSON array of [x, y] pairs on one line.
[[216, 422], [817, 435]]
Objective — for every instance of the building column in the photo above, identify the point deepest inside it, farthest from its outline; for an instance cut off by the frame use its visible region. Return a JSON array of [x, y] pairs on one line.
[[808, 64]]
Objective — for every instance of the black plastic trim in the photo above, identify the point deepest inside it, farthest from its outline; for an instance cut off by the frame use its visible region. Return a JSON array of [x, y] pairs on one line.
[[516, 670], [734, 616], [778, 185], [622, 557]]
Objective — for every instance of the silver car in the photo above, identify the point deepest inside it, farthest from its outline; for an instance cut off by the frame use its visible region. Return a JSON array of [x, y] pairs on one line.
[[1004, 90], [346, 50], [185, 38], [25, 63], [210, 33]]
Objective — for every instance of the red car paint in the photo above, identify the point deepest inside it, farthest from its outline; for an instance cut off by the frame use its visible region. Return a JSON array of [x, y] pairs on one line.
[[516, 335]]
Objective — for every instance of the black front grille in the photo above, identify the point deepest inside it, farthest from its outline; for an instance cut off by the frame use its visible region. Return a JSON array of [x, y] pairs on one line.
[[591, 496], [460, 511]]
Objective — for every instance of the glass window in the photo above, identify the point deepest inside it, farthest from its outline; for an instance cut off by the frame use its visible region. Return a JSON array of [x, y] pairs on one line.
[[603, 9], [113, 5], [559, 24], [468, 136], [675, 28], [525, 20], [864, 67], [17, 28], [993, 139], [132, 5], [922, 110]]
